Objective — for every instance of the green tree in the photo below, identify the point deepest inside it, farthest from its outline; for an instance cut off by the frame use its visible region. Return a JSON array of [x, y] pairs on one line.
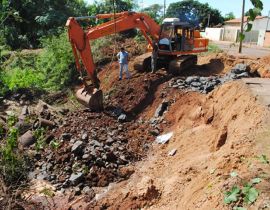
[[229, 16], [256, 10], [194, 12], [108, 6], [154, 11], [111, 6], [25, 21], [252, 14]]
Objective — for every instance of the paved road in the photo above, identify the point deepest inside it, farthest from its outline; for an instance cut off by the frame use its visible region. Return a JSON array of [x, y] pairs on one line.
[[251, 51]]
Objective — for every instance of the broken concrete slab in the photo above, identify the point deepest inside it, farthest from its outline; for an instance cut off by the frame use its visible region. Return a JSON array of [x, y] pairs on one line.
[[163, 139], [260, 87]]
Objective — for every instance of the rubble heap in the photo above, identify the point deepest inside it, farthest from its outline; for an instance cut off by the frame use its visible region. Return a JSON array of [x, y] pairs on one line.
[[92, 149], [207, 84]]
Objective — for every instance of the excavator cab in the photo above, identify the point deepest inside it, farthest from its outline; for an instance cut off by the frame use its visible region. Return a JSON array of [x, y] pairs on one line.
[[175, 46], [175, 36]]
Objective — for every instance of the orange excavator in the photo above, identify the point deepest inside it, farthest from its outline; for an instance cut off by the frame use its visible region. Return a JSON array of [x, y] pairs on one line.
[[172, 45]]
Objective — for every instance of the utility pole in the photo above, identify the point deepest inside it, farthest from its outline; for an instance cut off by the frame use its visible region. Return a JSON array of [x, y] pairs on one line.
[[208, 20], [242, 26], [164, 9]]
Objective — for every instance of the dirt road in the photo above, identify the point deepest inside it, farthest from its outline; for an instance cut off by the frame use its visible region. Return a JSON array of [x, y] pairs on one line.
[[248, 50]]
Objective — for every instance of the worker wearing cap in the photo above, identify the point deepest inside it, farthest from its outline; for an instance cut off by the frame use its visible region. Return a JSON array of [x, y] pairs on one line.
[[123, 62]]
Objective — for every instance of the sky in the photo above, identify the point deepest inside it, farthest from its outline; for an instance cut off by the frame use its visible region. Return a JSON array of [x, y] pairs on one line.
[[225, 6]]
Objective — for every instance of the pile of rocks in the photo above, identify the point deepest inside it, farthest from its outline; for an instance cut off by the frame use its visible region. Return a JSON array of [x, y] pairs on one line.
[[93, 150], [207, 84]]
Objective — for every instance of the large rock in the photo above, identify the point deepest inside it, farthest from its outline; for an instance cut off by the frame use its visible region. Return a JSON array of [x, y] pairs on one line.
[[76, 178], [77, 148], [196, 84], [122, 118], [189, 80], [161, 109], [27, 139], [239, 68]]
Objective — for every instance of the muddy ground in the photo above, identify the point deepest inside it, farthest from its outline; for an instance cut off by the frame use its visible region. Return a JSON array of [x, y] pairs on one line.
[[110, 160]]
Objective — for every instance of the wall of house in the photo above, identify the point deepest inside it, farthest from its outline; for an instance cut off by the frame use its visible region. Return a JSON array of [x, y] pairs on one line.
[[260, 24], [267, 39], [214, 34], [261, 38], [230, 34], [251, 37]]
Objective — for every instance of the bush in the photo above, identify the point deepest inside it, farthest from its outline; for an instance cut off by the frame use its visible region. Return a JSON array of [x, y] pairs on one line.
[[52, 68], [100, 48], [23, 78], [13, 166], [56, 62], [214, 48]]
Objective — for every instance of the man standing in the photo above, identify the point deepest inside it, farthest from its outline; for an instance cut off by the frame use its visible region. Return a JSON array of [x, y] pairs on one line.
[[123, 62]]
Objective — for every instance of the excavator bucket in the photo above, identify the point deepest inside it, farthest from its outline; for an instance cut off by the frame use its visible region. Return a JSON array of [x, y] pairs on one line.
[[91, 99]]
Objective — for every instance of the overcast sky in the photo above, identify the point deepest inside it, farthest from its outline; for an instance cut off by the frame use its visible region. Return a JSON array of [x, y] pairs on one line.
[[225, 6]]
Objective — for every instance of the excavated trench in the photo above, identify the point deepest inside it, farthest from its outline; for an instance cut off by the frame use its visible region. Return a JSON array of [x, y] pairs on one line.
[[110, 160]]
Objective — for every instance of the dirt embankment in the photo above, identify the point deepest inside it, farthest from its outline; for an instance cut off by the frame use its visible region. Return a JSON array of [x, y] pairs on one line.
[[213, 135], [222, 62]]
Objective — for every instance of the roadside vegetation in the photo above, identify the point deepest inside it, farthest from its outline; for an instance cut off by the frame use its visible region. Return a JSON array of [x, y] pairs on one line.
[[13, 167]]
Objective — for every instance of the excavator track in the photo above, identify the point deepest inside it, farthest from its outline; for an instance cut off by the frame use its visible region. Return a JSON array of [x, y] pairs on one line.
[[142, 63], [182, 63]]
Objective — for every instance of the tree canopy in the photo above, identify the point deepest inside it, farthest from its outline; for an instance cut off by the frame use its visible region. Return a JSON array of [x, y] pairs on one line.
[[257, 11], [229, 16], [154, 11], [24, 22], [194, 12]]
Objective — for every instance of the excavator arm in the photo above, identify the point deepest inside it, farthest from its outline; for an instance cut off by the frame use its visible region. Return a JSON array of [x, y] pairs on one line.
[[80, 39]]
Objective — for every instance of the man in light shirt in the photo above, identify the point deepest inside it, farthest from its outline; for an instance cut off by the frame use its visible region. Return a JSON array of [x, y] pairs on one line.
[[123, 62]]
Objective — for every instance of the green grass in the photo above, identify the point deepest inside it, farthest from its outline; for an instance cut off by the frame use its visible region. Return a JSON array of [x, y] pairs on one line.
[[213, 48]]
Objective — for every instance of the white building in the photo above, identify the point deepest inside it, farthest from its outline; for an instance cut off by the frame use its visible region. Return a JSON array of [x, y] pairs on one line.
[[260, 33]]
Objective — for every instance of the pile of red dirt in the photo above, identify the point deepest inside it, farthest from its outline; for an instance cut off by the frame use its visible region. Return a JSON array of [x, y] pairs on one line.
[[221, 63], [213, 135]]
